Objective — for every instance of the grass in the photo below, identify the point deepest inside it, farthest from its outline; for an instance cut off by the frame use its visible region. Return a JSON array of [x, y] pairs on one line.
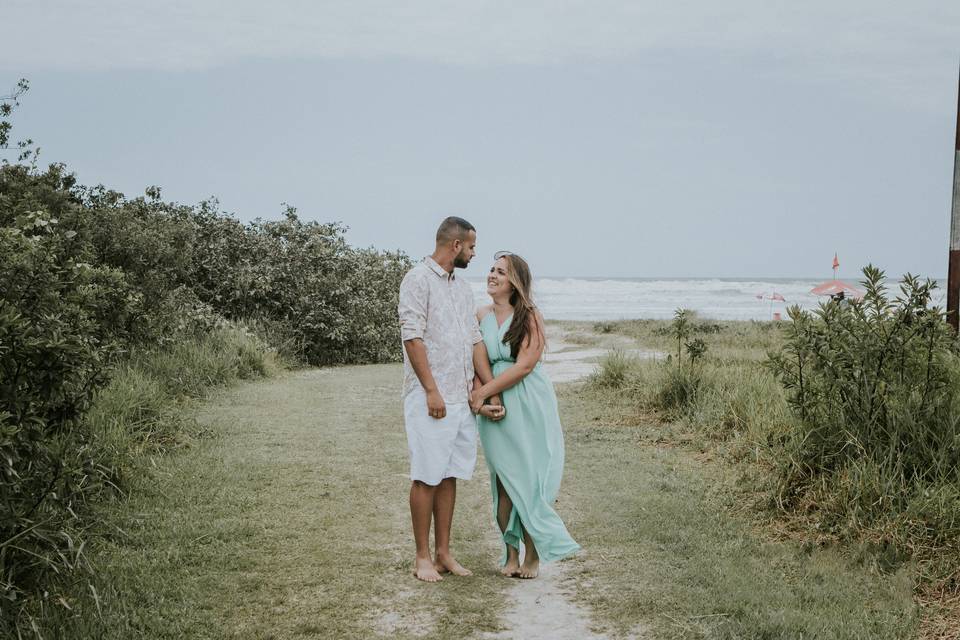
[[728, 340], [288, 518], [136, 417], [292, 522], [669, 552], [732, 407]]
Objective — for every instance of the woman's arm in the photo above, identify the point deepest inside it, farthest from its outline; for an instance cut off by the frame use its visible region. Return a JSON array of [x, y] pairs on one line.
[[483, 372], [531, 349]]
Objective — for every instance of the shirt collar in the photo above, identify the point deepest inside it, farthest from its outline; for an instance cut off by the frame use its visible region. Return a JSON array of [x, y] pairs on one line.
[[437, 269]]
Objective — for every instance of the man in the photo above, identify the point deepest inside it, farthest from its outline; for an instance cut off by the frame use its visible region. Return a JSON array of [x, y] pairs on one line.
[[443, 349]]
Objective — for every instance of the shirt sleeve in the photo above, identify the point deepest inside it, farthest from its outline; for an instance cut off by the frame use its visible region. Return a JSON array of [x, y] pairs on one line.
[[475, 335], [412, 309]]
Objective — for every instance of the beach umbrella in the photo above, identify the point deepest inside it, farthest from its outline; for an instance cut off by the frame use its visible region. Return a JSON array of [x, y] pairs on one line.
[[836, 286], [772, 296]]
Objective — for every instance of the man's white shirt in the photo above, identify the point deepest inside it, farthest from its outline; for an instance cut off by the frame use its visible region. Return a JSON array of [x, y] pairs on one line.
[[438, 307]]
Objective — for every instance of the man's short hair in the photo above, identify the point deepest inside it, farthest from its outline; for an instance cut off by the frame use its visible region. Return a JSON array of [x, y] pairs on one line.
[[453, 228]]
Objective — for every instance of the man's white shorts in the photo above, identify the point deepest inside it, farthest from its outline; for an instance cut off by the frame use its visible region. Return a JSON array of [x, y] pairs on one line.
[[444, 448]]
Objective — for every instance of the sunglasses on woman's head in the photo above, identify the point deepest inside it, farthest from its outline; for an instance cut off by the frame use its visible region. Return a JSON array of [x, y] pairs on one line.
[[501, 254]]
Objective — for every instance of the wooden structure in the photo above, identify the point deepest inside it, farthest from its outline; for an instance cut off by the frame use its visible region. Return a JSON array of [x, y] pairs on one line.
[[953, 270]]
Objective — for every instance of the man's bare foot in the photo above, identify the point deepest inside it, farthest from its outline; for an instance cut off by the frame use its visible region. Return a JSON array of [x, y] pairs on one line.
[[530, 569], [424, 570], [446, 563], [511, 569]]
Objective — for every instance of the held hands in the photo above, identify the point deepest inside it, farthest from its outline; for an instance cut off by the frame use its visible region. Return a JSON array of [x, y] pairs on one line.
[[492, 413], [494, 410]]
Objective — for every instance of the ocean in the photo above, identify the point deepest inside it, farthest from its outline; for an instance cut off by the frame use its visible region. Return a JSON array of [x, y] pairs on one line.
[[716, 298]]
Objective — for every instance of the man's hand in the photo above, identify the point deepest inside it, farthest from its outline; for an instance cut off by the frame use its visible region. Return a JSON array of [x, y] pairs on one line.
[[476, 401], [435, 405]]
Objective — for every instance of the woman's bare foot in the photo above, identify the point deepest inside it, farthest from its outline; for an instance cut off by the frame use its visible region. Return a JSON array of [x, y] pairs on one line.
[[529, 570], [424, 570], [446, 563], [512, 567]]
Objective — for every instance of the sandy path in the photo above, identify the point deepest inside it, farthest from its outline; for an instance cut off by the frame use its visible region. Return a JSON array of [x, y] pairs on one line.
[[542, 609], [567, 361]]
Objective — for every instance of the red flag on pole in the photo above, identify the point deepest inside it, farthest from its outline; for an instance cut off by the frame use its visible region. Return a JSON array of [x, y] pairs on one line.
[[836, 263]]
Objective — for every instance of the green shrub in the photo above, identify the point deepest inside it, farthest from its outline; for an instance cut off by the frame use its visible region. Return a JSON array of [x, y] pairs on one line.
[[613, 370], [154, 301], [874, 385], [680, 330], [604, 327], [113, 308], [317, 295], [62, 325], [327, 302]]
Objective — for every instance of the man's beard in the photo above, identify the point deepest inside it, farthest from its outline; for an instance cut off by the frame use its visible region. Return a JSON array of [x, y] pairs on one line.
[[460, 262]]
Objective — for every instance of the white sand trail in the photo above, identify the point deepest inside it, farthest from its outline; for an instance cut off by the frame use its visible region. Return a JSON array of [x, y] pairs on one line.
[[566, 361], [543, 609]]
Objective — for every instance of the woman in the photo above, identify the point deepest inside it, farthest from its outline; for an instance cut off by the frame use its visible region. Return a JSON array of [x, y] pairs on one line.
[[524, 447]]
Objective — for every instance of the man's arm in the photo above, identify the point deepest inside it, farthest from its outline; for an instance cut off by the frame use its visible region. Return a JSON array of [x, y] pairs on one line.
[[417, 353], [412, 309]]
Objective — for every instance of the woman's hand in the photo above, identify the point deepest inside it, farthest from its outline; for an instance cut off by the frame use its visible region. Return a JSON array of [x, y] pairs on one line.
[[491, 412]]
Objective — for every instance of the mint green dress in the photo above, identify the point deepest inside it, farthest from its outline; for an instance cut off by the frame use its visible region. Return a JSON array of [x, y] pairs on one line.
[[525, 450]]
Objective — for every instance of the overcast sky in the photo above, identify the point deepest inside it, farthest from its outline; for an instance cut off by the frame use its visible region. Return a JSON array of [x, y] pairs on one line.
[[596, 138]]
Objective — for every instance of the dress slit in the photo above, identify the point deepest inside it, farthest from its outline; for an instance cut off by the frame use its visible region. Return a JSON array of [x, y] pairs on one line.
[[512, 533]]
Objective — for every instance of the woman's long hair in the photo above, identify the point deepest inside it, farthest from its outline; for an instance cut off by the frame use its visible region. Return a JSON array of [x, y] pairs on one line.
[[518, 273]]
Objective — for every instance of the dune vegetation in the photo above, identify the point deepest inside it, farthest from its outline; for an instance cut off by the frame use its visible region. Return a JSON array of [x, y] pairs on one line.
[[116, 310], [844, 423]]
